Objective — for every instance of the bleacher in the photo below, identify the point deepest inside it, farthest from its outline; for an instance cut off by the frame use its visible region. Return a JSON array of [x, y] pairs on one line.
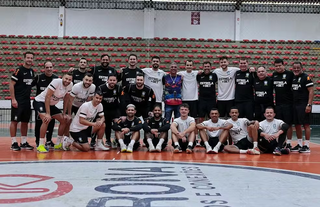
[[66, 52]]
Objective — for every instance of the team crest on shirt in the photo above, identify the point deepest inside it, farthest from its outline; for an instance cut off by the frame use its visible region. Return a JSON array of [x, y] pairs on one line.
[[159, 73], [228, 72], [247, 75], [299, 79], [110, 71], [41, 108], [210, 77], [143, 94], [80, 139], [114, 92], [274, 126], [284, 76], [265, 83], [160, 124]]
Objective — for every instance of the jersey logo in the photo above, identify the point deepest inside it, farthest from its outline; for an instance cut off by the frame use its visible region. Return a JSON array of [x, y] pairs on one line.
[[25, 73], [114, 92], [210, 77], [266, 83], [247, 75], [274, 126], [43, 80], [284, 76], [143, 94], [299, 79]]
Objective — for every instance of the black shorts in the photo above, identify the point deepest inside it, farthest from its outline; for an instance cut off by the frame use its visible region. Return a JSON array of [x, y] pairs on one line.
[[21, 114], [265, 146], [111, 114], [244, 144], [285, 113], [224, 107], [142, 111], [213, 141], [82, 136], [300, 117], [205, 106], [155, 142], [245, 109], [184, 145], [193, 108], [74, 109], [41, 108]]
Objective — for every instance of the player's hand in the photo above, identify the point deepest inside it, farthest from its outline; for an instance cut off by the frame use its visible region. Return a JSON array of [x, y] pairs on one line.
[[154, 131], [252, 69], [71, 70], [184, 139], [14, 103], [120, 70], [46, 118], [308, 109], [99, 123], [200, 72], [150, 114], [125, 130], [211, 129]]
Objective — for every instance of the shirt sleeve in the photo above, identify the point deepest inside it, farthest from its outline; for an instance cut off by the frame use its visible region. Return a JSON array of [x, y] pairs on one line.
[[137, 125], [83, 112], [16, 75], [74, 91], [309, 82], [116, 125], [100, 110], [54, 84], [205, 123], [165, 126]]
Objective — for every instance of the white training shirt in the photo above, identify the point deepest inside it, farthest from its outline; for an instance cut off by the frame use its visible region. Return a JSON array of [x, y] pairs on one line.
[[182, 125], [87, 111], [81, 94], [271, 127], [239, 129], [59, 92], [189, 86], [153, 79], [209, 123], [226, 83]]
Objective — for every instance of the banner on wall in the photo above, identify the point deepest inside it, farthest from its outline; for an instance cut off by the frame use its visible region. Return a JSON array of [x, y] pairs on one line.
[[195, 18]]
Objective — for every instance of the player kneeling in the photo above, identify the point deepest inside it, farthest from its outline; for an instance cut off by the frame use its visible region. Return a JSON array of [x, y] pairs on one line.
[[127, 130], [156, 131], [82, 126], [214, 132]]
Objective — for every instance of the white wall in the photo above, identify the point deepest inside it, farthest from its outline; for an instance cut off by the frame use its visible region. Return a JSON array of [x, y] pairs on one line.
[[178, 24], [98, 22], [29, 21], [280, 26]]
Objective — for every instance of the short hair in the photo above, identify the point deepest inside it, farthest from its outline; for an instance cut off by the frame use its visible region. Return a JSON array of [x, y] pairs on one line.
[[223, 58], [112, 75], [214, 109], [98, 92], [88, 74], [278, 61], [269, 107], [206, 62], [155, 57], [46, 63], [188, 61], [83, 58], [157, 105], [133, 55], [103, 55], [185, 105], [233, 107], [140, 75], [68, 73], [298, 62], [131, 105], [261, 66], [244, 59], [28, 53]]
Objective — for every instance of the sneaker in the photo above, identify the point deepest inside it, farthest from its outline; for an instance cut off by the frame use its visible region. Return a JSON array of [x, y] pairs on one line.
[[198, 144], [209, 150], [288, 146], [26, 146], [49, 145], [189, 150], [215, 150], [66, 144], [123, 148], [296, 148], [15, 147], [42, 149], [58, 146], [277, 151], [285, 151], [254, 151], [130, 148], [158, 148], [100, 147], [114, 144], [151, 148], [177, 149], [108, 144], [305, 149], [92, 145]]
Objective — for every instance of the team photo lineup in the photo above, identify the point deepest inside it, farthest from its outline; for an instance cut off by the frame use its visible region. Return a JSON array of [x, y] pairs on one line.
[[229, 109]]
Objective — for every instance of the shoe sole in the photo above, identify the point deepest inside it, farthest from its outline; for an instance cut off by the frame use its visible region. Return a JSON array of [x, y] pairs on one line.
[[189, 151], [124, 150], [15, 149], [305, 152], [177, 151], [294, 150], [278, 154], [211, 152]]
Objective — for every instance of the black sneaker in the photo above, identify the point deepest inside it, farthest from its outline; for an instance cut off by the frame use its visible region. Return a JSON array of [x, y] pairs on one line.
[[285, 151], [189, 150], [177, 149], [49, 145], [288, 146], [108, 144], [92, 145], [305, 149], [26, 146], [296, 148], [15, 146], [277, 151]]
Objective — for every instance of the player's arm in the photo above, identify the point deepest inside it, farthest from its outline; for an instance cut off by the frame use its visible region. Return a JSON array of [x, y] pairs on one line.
[[116, 126], [202, 126], [13, 97], [310, 99], [35, 81], [283, 129], [83, 121], [165, 126], [146, 126], [137, 125], [47, 100], [67, 104], [174, 128], [226, 126], [91, 93], [191, 128]]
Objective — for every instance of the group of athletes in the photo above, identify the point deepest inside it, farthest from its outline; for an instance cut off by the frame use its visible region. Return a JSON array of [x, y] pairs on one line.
[[128, 100]]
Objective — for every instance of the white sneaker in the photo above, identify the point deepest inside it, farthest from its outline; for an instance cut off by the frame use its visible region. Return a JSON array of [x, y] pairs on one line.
[[215, 150], [151, 148], [100, 147], [123, 148], [130, 148], [66, 143], [158, 148], [209, 150]]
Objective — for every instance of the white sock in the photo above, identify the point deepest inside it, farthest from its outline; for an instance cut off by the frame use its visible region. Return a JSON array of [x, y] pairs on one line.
[[121, 142], [255, 144], [59, 139], [218, 145], [99, 141], [14, 139], [190, 144], [243, 151], [41, 142], [161, 141], [149, 140], [23, 139], [300, 142], [288, 141], [132, 142], [206, 143], [307, 142], [176, 144]]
